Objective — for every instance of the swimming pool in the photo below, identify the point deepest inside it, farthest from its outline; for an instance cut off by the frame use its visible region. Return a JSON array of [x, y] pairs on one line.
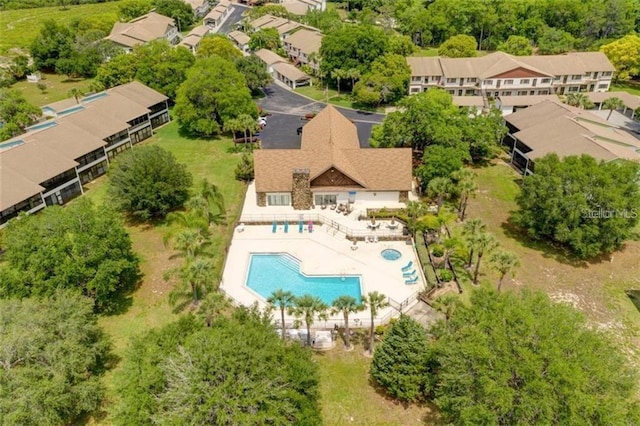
[[391, 254], [271, 271]]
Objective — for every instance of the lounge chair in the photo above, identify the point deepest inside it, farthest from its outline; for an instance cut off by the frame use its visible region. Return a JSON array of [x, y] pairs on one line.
[[412, 280], [375, 238], [407, 266], [409, 274]]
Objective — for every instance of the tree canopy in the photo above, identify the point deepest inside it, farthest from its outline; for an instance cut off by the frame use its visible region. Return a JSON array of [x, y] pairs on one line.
[[237, 371], [553, 41], [220, 45], [520, 359], [254, 72], [55, 41], [52, 353], [148, 182], [387, 81], [400, 364], [517, 46], [352, 47], [624, 54], [15, 113], [265, 38], [86, 249], [179, 10], [590, 208], [459, 46], [214, 92], [430, 118]]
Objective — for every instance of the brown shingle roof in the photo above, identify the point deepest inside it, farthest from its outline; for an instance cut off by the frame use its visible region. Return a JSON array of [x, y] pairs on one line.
[[305, 40], [269, 57], [14, 187], [630, 101], [141, 30], [330, 140], [290, 71], [66, 139], [424, 66], [36, 162], [551, 127], [526, 100], [239, 37]]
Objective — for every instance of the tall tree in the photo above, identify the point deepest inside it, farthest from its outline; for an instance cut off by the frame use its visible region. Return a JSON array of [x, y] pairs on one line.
[[504, 262], [254, 72], [374, 301], [213, 93], [87, 250], [54, 42], [485, 243], [387, 81], [579, 100], [197, 275], [553, 41], [346, 305], [53, 353], [208, 203], [624, 54], [465, 187], [282, 300], [218, 44], [179, 10], [439, 188], [471, 231], [508, 358], [148, 182], [266, 38], [16, 113], [590, 208], [459, 46], [338, 75], [400, 365], [441, 161], [613, 104], [130, 9], [517, 46], [308, 307], [352, 46]]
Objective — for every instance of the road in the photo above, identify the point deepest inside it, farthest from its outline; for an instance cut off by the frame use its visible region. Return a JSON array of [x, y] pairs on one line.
[[287, 107], [233, 18]]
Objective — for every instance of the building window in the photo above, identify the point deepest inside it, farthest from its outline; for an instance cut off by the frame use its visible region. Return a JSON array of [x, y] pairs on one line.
[[606, 74], [452, 80], [573, 89], [472, 80], [141, 135], [603, 86], [543, 92], [325, 199], [451, 92], [508, 82], [524, 81], [415, 90], [522, 93], [415, 79], [576, 77], [507, 93], [545, 81], [139, 120], [435, 78], [588, 74], [283, 199], [488, 82]]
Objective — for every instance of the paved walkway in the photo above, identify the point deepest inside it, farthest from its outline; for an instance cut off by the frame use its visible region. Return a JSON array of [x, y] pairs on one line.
[[232, 19]]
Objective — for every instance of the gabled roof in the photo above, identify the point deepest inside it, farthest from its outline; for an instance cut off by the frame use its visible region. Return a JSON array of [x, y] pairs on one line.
[[36, 162], [146, 28], [190, 41], [305, 40], [424, 66], [14, 187], [239, 37], [200, 31], [552, 127], [526, 100], [269, 57], [290, 71], [330, 142], [630, 101]]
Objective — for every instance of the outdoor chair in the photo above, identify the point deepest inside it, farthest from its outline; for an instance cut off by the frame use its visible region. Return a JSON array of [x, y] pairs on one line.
[[407, 266], [409, 274], [412, 280]]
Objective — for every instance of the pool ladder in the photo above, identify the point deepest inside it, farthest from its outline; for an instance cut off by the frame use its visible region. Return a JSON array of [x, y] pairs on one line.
[[289, 262]]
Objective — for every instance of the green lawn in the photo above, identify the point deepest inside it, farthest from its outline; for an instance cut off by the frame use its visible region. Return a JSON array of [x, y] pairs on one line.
[[58, 87], [18, 28], [348, 398], [624, 87], [319, 93], [149, 307]]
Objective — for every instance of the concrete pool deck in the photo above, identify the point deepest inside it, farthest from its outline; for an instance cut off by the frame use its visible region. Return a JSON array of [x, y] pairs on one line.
[[323, 253]]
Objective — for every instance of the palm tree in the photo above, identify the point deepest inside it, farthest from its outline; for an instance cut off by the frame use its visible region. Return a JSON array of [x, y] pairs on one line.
[[446, 304], [439, 188], [248, 124], [375, 301], [197, 274], [314, 61], [353, 74], [212, 306], [450, 246], [415, 210], [346, 305], [612, 104], [76, 93], [470, 232], [338, 75], [189, 242], [308, 306], [465, 187], [504, 262], [579, 100], [281, 299], [484, 244], [234, 125], [208, 203]]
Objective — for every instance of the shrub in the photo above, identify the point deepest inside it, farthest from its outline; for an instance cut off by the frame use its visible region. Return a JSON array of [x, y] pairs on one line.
[[244, 170], [445, 275], [437, 250]]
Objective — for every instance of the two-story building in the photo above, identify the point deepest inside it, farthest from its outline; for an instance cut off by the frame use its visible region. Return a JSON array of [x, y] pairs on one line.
[[49, 163], [301, 7], [301, 45], [284, 26], [553, 127], [143, 29], [500, 74], [199, 7], [193, 39], [217, 15]]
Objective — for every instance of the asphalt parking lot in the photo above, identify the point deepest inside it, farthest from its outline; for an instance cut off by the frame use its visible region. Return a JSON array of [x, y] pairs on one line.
[[287, 109]]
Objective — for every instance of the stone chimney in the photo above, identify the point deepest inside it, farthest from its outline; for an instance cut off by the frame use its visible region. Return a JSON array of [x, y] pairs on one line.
[[301, 196]]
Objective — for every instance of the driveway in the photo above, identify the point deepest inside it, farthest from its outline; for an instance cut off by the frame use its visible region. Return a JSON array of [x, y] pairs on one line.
[[287, 107], [234, 17]]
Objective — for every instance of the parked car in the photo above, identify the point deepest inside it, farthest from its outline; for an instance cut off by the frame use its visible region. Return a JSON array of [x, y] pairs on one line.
[[262, 121]]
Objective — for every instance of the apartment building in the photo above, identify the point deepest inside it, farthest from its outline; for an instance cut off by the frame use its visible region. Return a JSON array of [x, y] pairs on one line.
[[553, 127], [285, 27], [49, 163], [193, 39], [143, 29], [199, 7], [282, 70], [301, 7], [303, 44], [500, 74], [218, 14]]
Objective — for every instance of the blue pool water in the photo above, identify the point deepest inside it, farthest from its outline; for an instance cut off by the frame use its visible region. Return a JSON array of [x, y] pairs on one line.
[[391, 254], [269, 272]]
